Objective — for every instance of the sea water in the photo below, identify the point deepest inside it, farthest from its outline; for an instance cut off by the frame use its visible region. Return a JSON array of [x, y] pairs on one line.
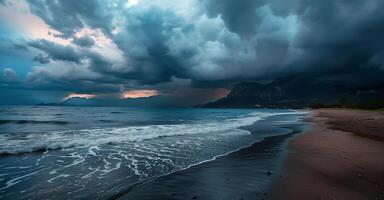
[[91, 152]]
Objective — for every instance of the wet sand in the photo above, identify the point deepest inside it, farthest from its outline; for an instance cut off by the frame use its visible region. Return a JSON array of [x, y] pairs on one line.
[[341, 157]]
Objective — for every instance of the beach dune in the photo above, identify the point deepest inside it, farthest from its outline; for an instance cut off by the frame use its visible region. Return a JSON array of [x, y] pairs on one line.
[[340, 157]]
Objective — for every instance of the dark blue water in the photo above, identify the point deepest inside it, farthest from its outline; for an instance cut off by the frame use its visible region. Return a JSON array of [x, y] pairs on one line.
[[84, 152]]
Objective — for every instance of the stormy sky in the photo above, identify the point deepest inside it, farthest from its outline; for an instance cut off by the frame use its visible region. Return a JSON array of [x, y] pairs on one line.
[[189, 51]]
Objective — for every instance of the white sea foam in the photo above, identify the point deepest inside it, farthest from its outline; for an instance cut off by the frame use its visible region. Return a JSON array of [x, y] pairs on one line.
[[14, 144]]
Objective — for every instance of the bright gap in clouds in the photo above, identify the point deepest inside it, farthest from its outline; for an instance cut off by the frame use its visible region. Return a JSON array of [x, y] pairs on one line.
[[75, 95], [19, 17], [132, 94], [132, 3]]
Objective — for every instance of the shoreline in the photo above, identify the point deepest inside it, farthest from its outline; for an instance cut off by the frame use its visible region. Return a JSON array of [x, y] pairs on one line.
[[227, 176], [143, 182], [338, 158]]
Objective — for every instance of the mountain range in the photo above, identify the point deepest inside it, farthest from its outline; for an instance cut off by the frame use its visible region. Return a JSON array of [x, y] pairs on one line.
[[299, 92]]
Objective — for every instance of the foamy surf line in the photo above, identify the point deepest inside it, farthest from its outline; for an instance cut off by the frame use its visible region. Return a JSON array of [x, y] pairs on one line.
[[138, 184], [146, 181], [26, 143]]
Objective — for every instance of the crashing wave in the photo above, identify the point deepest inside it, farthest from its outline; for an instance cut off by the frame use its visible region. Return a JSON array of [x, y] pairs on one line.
[[24, 143]]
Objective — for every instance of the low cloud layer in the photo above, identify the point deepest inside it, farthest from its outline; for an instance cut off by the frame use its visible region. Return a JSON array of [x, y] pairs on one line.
[[114, 46]]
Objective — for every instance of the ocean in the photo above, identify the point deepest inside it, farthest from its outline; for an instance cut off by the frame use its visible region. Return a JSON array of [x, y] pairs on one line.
[[99, 152]]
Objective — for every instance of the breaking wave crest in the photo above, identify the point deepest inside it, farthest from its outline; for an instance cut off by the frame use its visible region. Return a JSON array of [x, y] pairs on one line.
[[25, 143]]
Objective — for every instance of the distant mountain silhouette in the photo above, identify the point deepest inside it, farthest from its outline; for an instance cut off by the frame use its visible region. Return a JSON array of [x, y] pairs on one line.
[[297, 92]]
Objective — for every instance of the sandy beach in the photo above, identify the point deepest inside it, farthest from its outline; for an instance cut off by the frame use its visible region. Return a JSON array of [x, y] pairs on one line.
[[340, 157]]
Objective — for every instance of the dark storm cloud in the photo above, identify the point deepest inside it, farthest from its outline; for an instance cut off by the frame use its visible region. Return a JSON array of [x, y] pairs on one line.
[[244, 17], [334, 36], [241, 17], [145, 45], [41, 59], [56, 52], [214, 43], [71, 15], [84, 41], [341, 35]]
